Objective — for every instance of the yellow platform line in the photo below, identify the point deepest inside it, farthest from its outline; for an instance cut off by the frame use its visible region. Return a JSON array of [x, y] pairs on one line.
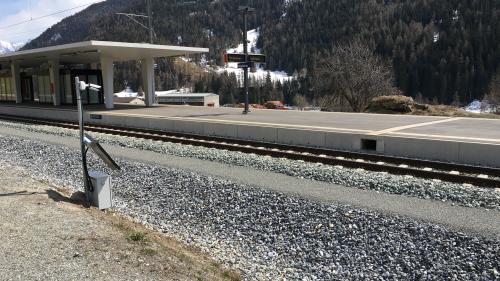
[[400, 128], [234, 122], [427, 136], [391, 131]]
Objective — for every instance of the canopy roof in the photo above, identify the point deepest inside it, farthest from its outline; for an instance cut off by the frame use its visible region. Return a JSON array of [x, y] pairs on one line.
[[92, 51]]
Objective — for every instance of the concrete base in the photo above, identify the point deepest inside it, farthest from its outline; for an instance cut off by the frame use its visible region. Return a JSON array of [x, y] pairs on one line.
[[449, 149]]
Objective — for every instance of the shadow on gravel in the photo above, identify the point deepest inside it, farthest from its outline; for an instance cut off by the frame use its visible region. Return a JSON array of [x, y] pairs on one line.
[[77, 198], [20, 193]]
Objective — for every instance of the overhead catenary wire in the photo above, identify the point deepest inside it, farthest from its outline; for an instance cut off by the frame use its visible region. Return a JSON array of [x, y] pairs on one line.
[[48, 15], [14, 33], [20, 35]]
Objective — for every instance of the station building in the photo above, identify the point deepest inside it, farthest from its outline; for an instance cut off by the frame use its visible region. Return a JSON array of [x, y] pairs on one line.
[[47, 75], [194, 99]]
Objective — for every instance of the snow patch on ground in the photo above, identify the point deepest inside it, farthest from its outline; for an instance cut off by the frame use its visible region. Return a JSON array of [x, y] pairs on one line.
[[129, 93], [479, 107], [172, 92]]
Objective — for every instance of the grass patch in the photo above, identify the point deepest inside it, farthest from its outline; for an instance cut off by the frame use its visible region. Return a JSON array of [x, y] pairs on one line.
[[231, 275], [136, 236], [148, 252]]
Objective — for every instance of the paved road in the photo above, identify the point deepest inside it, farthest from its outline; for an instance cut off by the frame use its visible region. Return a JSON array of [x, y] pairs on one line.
[[468, 220]]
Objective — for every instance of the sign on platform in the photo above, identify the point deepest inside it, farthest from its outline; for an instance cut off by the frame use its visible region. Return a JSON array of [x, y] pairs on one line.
[[246, 64], [255, 58]]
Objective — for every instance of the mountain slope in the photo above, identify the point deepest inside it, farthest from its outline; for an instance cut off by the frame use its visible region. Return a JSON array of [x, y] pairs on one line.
[[438, 48], [441, 50], [8, 47], [78, 27], [208, 23]]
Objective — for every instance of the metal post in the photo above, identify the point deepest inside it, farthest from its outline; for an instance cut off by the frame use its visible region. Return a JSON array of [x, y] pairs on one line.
[[150, 19], [245, 50], [82, 144]]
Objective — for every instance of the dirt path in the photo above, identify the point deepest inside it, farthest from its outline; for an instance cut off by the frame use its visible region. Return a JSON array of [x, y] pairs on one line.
[[46, 236]]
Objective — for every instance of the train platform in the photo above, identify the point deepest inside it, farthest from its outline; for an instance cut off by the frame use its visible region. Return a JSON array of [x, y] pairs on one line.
[[474, 141]]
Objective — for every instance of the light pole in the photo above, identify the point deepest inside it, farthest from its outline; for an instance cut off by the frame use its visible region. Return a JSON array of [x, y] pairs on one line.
[[150, 19], [103, 182], [82, 136], [245, 10]]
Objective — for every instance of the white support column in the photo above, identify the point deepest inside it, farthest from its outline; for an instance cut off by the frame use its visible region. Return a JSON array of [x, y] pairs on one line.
[[148, 80], [54, 82], [16, 81], [107, 81]]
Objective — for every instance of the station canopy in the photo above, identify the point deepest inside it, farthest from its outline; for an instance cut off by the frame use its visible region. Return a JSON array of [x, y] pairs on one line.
[[93, 51]]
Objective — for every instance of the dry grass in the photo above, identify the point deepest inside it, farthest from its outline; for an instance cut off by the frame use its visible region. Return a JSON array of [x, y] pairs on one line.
[[406, 105], [453, 111], [155, 245], [105, 245]]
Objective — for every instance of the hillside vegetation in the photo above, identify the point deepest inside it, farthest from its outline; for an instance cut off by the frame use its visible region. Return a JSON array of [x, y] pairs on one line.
[[446, 51]]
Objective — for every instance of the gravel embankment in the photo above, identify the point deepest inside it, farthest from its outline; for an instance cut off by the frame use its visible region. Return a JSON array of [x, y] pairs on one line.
[[47, 237], [268, 235], [463, 195]]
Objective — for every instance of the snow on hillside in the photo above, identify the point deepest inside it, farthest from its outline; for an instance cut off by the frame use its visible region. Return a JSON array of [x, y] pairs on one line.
[[8, 47], [261, 73], [253, 36]]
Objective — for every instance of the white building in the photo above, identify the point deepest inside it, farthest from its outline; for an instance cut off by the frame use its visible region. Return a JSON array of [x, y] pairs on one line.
[[196, 99]]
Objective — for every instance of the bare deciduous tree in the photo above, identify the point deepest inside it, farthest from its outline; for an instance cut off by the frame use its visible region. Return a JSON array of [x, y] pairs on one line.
[[352, 73], [332, 103], [493, 96], [456, 100], [300, 101]]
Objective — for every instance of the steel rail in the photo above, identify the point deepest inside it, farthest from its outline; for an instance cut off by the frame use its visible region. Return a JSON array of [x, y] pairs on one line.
[[450, 172]]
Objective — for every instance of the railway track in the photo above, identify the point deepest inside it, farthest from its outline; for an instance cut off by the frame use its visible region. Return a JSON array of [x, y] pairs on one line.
[[456, 173]]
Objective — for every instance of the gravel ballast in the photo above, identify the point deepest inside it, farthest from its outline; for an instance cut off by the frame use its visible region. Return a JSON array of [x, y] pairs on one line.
[[45, 236], [463, 195], [267, 235]]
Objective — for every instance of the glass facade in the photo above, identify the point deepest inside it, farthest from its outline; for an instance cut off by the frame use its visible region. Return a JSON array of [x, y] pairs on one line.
[[42, 89], [88, 75], [36, 87], [6, 91], [94, 97], [66, 89]]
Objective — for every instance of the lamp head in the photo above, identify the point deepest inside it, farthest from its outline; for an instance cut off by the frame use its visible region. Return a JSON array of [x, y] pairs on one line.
[[90, 86]]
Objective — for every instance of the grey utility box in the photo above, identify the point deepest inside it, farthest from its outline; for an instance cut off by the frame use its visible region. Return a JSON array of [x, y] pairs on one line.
[[102, 195]]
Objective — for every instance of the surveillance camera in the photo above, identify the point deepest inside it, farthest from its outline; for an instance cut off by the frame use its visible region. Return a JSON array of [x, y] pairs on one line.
[[90, 86], [83, 86], [94, 86]]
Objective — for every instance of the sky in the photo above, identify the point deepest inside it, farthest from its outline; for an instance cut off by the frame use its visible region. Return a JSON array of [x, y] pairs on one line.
[[13, 12]]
